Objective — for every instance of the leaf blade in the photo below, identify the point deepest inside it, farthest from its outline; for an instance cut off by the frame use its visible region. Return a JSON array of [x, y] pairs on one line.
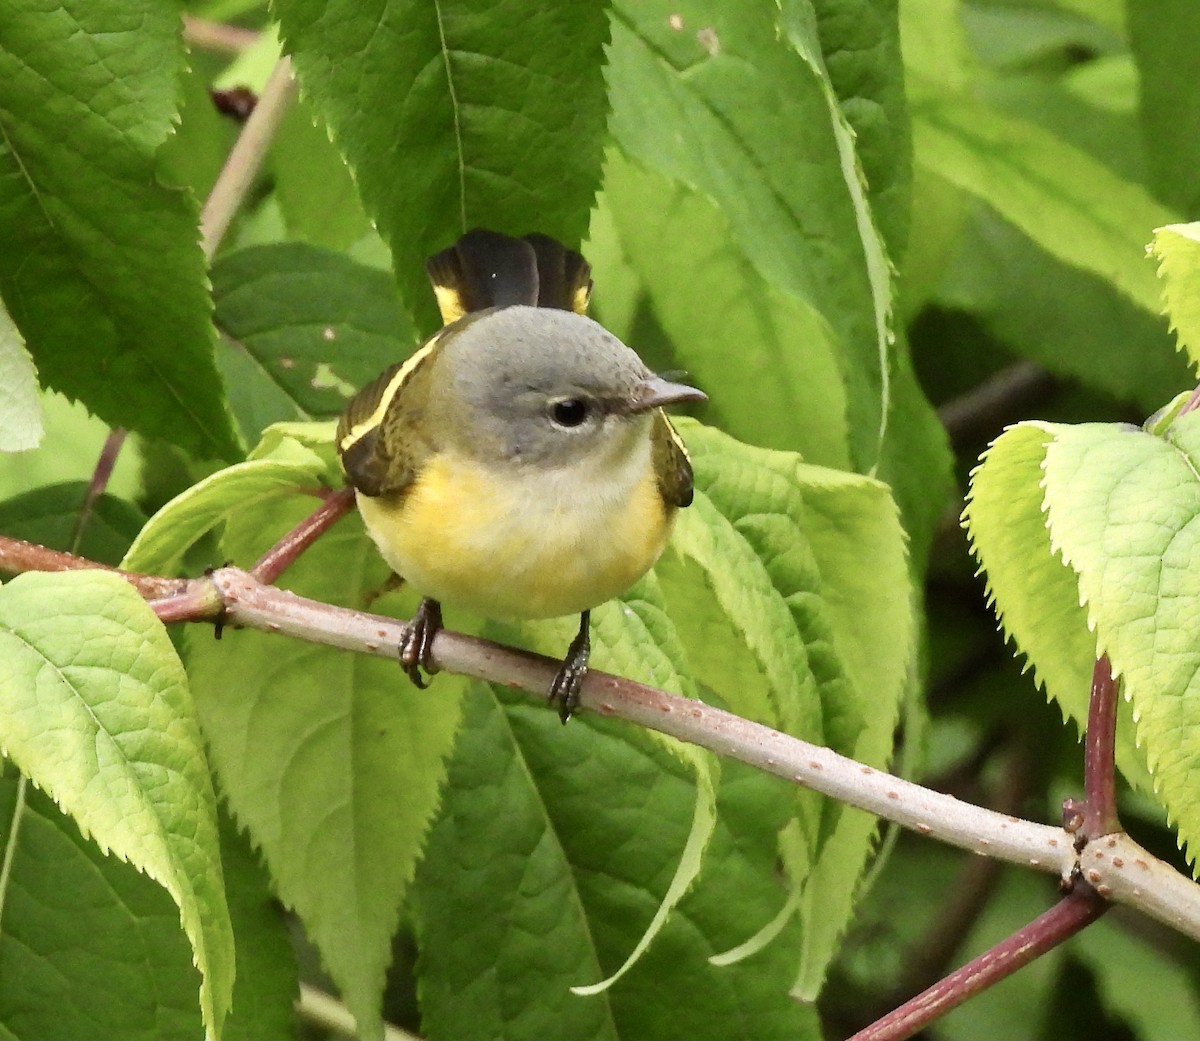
[[103, 272], [1070, 204], [452, 116], [734, 76], [1122, 505], [90, 946], [312, 749], [1177, 247], [97, 713]]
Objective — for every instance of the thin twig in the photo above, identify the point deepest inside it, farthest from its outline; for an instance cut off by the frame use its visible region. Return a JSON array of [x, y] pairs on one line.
[[983, 831], [17, 556], [982, 412], [326, 1011], [246, 157], [284, 553], [100, 478], [1079, 908], [217, 36], [1099, 754]]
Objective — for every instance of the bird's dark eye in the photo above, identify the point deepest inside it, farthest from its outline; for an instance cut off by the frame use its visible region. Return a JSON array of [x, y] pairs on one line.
[[569, 412]]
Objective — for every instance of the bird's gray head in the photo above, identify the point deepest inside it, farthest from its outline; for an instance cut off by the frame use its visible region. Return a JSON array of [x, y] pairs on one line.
[[541, 386]]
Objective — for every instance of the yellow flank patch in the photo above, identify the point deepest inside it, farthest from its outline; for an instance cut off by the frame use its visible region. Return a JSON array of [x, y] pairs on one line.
[[530, 544]]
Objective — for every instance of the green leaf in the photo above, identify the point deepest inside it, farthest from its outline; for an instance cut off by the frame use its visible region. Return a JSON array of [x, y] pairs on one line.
[[452, 116], [197, 149], [1110, 14], [331, 761], [1072, 206], [1121, 506], [317, 196], [936, 56], [90, 947], [264, 993], [837, 662], [739, 885], [1036, 598], [633, 636], [860, 43], [227, 494], [95, 710], [501, 929], [310, 328], [1069, 320], [769, 363], [102, 268], [72, 443], [749, 85], [811, 528], [916, 461], [623, 633], [1168, 73], [871, 618], [20, 413], [552, 849], [1177, 247]]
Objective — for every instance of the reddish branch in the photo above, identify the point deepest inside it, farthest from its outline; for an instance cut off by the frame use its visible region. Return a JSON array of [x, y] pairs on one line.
[[100, 478], [17, 556], [284, 553], [1100, 754], [1079, 908], [1093, 818]]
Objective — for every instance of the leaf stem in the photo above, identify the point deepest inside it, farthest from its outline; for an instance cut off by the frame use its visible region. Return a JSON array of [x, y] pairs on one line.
[[100, 477], [1099, 754], [217, 36], [17, 556], [284, 553], [1192, 402], [1079, 908], [246, 157], [10, 845]]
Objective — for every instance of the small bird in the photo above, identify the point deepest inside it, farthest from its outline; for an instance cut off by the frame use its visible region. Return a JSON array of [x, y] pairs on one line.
[[519, 464]]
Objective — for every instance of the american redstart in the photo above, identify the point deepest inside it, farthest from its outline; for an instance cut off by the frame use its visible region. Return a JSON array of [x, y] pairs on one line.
[[519, 464]]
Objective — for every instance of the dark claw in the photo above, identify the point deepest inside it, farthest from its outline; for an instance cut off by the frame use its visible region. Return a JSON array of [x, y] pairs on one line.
[[564, 691], [417, 643]]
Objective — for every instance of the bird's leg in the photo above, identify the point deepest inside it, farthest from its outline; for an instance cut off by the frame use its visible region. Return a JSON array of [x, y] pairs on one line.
[[564, 691], [417, 641]]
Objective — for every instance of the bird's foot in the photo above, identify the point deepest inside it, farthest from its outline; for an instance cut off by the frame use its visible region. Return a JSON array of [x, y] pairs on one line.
[[564, 691], [417, 642]]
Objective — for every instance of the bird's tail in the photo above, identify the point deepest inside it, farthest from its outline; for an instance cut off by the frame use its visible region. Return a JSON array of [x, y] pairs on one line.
[[486, 269]]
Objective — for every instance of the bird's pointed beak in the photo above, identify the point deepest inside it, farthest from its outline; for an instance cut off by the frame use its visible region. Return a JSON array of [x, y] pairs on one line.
[[656, 392]]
